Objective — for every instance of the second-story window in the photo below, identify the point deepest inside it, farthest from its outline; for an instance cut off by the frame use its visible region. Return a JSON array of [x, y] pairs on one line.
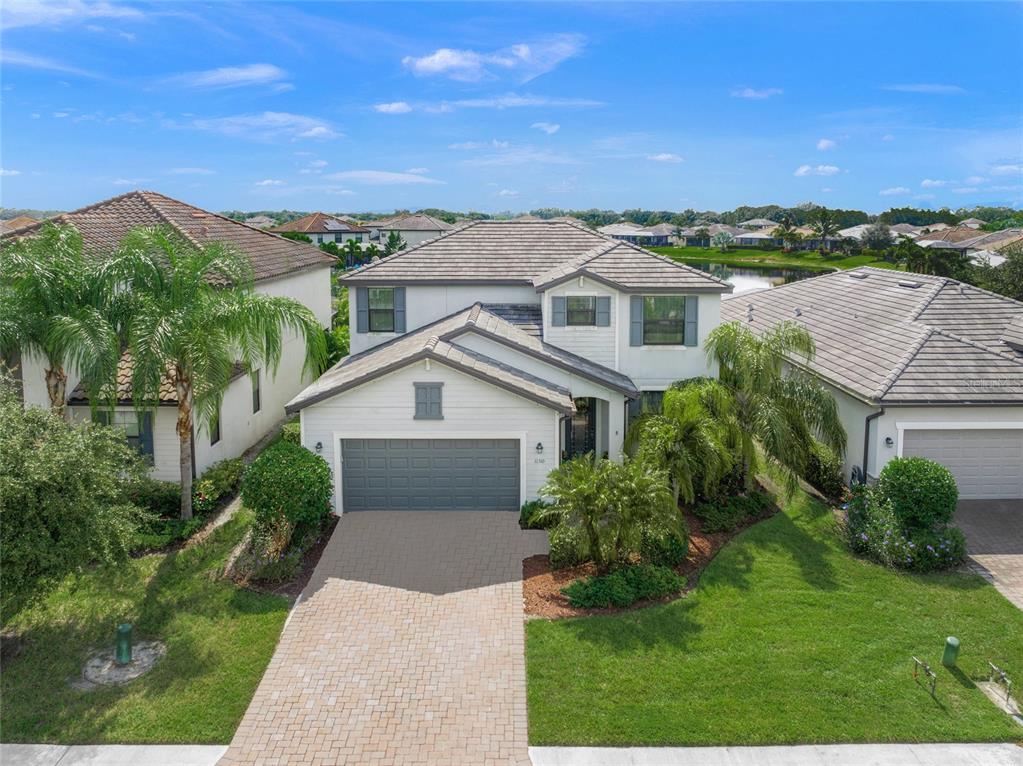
[[664, 320], [581, 310], [381, 309]]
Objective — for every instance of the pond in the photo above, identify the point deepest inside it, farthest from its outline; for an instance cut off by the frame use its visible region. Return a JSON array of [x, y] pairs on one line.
[[746, 278]]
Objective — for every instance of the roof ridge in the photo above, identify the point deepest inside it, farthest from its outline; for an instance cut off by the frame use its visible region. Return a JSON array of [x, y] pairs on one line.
[[935, 289], [144, 196], [894, 374], [64, 215], [677, 264]]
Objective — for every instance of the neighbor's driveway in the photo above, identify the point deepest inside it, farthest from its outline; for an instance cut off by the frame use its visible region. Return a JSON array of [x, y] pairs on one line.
[[407, 647], [994, 540]]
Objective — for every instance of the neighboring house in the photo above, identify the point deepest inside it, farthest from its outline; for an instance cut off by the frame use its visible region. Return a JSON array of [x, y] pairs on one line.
[[254, 401], [18, 222], [618, 229], [758, 224], [755, 239], [691, 235], [985, 246], [658, 235], [946, 237], [919, 365], [321, 228], [483, 358], [972, 223], [414, 229], [260, 221]]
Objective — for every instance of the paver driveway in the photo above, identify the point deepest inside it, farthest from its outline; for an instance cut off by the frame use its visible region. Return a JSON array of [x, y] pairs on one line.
[[994, 540], [406, 648]]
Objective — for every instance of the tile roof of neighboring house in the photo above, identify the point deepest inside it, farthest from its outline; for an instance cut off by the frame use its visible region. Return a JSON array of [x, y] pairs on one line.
[[104, 224], [536, 253], [319, 223], [167, 394], [714, 228], [758, 222], [755, 235], [992, 240], [18, 222], [415, 222], [951, 234], [892, 337], [259, 221], [973, 221], [622, 227], [660, 229], [904, 228]]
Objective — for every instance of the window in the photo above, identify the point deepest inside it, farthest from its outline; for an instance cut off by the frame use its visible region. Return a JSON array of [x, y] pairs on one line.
[[664, 320], [648, 402], [138, 431], [257, 403], [215, 430], [339, 237], [381, 309], [581, 310], [428, 401]]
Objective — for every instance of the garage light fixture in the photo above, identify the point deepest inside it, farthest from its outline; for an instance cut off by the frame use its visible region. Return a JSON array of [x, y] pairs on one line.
[[539, 448], [319, 446]]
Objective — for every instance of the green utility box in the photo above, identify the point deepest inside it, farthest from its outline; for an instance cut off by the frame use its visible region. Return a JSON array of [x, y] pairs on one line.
[[948, 659]]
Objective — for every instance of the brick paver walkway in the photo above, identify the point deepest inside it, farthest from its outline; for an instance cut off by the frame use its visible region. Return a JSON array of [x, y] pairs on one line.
[[407, 648], [994, 540]]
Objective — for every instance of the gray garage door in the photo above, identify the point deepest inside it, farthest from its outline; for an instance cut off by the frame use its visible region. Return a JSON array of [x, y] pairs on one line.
[[987, 464], [430, 474]]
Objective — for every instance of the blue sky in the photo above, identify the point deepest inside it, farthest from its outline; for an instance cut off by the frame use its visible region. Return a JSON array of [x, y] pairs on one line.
[[509, 107]]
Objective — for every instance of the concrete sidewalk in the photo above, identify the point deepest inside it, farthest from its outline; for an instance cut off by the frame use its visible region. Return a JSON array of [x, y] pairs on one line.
[[110, 755], [999, 754]]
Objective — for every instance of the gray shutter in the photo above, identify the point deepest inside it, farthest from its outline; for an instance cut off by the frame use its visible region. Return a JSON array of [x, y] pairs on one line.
[[422, 401], [559, 311], [399, 309], [434, 401], [603, 311], [146, 434], [691, 314], [635, 320], [361, 309]]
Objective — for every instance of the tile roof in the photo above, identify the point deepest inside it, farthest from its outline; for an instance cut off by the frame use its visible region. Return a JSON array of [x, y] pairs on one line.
[[439, 341], [104, 224], [18, 222], [892, 337], [526, 316], [415, 222], [951, 234], [319, 223], [531, 253]]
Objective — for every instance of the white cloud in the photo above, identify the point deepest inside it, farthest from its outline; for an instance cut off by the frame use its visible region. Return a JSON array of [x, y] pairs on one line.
[[923, 196], [382, 177], [418, 171], [314, 166], [933, 183], [826, 189], [974, 180], [512, 101], [520, 155], [887, 137], [894, 191], [523, 61], [966, 190], [393, 107], [550, 128], [932, 88], [267, 126], [10, 57], [30, 13], [130, 181], [1007, 169], [825, 144], [271, 182], [816, 170], [664, 157], [507, 193], [230, 77], [757, 94], [473, 145], [9, 172], [190, 171]]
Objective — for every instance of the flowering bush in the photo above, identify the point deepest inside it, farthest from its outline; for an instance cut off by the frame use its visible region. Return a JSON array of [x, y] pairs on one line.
[[873, 531]]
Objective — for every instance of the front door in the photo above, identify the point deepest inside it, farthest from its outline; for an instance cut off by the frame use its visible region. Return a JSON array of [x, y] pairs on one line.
[[581, 429]]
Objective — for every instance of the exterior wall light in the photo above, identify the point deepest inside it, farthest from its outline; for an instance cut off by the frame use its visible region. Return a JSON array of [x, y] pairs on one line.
[[539, 448], [888, 442], [319, 446]]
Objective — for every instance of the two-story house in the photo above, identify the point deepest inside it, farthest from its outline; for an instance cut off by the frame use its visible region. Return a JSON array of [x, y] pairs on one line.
[[484, 357]]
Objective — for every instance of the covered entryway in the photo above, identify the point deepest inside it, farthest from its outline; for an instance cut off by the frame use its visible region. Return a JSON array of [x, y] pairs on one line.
[[430, 474], [986, 463]]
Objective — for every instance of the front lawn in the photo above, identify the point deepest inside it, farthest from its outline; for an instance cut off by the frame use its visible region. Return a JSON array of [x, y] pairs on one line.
[[811, 260], [788, 638], [219, 640]]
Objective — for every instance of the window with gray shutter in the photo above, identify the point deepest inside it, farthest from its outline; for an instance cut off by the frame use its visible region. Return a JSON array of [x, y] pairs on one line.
[[691, 315], [604, 311], [137, 428], [429, 401], [361, 309]]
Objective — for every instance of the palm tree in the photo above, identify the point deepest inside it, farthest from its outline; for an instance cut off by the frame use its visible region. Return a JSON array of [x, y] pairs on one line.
[[721, 240], [194, 315], [823, 225], [352, 252], [394, 243], [689, 439], [371, 252], [702, 234], [786, 232], [56, 303], [776, 404]]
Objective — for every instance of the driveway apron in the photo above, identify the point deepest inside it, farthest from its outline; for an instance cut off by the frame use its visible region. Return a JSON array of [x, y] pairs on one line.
[[405, 648]]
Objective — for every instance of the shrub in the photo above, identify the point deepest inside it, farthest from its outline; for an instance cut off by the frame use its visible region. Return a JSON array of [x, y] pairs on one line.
[[824, 471], [528, 515], [663, 546], [729, 513], [219, 481], [922, 493], [624, 586], [287, 482], [567, 546], [161, 497], [292, 432]]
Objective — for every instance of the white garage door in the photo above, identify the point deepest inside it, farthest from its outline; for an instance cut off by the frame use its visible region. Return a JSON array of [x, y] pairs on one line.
[[987, 464]]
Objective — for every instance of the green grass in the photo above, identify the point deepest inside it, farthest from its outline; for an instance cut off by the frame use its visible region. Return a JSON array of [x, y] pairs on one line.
[[810, 260], [787, 639], [219, 640]]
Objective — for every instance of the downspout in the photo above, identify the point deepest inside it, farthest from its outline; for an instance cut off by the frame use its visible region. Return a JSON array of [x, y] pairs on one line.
[[866, 439]]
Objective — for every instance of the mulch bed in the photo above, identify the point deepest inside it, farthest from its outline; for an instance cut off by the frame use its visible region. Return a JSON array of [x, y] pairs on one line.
[[541, 585]]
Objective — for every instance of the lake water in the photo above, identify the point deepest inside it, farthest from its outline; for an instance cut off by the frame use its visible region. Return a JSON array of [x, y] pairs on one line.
[[745, 279]]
